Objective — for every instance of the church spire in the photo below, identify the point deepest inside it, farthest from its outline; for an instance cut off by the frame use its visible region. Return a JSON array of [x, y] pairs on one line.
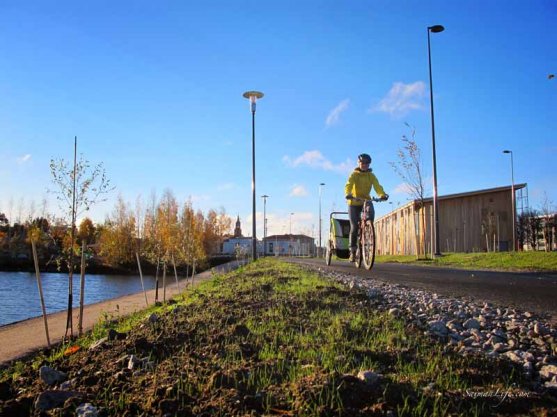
[[238, 228]]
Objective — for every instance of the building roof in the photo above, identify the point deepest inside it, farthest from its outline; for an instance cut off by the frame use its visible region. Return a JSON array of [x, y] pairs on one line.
[[477, 192]]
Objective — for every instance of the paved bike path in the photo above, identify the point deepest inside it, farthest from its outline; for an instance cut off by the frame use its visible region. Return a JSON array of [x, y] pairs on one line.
[[25, 337]]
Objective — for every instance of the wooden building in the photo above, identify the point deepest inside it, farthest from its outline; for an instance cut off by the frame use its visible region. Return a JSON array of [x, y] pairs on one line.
[[476, 221]]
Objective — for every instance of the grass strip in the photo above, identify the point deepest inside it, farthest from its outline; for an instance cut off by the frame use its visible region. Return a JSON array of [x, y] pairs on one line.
[[503, 261]]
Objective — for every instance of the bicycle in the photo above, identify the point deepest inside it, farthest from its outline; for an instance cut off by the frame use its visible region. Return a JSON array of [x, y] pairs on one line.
[[366, 236]]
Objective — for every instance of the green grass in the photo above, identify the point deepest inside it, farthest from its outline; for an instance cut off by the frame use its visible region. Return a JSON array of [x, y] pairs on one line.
[[504, 261], [302, 342]]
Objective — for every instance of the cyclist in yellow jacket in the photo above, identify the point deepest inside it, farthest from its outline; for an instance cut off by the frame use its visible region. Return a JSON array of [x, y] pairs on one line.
[[359, 185]]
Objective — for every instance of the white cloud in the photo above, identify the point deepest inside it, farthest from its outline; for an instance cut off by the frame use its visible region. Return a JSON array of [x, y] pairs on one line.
[[334, 115], [401, 99], [315, 159], [298, 191], [23, 159]]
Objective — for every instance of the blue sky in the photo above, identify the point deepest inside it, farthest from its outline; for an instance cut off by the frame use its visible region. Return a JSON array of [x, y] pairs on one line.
[[154, 91]]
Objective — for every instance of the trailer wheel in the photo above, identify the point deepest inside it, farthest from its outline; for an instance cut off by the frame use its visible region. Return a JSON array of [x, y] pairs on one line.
[[328, 254]]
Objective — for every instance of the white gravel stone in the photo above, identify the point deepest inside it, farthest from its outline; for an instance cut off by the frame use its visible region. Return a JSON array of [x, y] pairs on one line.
[[86, 410], [51, 376], [548, 371], [438, 328], [369, 377]]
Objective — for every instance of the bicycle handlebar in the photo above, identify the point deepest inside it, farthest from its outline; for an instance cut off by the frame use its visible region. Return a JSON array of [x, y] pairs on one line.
[[363, 200]]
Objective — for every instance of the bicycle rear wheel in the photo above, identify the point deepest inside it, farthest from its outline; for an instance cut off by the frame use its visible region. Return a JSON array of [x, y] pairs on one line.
[[368, 245]]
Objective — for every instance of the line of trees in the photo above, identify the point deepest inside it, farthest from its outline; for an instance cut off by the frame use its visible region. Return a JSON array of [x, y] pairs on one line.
[[162, 231], [536, 231]]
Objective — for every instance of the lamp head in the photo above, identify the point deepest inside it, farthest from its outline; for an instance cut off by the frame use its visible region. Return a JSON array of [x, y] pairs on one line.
[[252, 96], [507, 151], [436, 28]]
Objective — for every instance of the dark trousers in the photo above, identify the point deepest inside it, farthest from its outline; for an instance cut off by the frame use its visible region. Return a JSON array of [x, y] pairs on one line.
[[354, 214]]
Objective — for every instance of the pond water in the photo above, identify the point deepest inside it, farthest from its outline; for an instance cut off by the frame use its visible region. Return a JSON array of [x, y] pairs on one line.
[[20, 300]]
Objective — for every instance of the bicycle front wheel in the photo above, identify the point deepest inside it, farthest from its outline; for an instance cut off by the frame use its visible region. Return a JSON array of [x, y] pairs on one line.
[[368, 245]]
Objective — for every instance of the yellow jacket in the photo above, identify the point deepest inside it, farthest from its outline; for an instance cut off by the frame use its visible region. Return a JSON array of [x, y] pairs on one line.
[[359, 185]]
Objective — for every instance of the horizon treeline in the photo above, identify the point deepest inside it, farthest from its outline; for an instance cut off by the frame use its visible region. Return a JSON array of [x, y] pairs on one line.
[[161, 230]]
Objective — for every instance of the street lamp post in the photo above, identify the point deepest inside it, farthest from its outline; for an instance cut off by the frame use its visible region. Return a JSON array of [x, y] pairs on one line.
[[512, 198], [264, 197], [437, 252], [252, 96], [291, 214], [319, 248]]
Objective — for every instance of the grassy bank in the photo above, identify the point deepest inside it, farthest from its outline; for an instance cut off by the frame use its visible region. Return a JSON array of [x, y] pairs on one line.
[[273, 339], [504, 261]]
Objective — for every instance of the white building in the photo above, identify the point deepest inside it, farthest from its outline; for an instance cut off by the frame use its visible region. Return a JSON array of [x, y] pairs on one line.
[[289, 245], [238, 244]]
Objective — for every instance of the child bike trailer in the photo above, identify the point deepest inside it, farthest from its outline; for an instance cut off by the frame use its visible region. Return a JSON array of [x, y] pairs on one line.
[[339, 233]]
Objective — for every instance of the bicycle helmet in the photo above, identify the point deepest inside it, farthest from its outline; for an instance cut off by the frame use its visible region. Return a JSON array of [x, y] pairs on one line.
[[365, 158]]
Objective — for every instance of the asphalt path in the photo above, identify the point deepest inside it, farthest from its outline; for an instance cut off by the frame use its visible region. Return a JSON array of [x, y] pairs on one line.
[[526, 291]]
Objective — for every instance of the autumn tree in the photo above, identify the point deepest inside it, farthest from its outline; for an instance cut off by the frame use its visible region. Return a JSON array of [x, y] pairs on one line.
[[117, 237], [529, 228], [150, 245], [409, 168], [198, 251], [190, 236], [549, 217], [78, 187], [86, 231], [224, 222], [216, 226], [38, 230], [211, 233], [167, 230]]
